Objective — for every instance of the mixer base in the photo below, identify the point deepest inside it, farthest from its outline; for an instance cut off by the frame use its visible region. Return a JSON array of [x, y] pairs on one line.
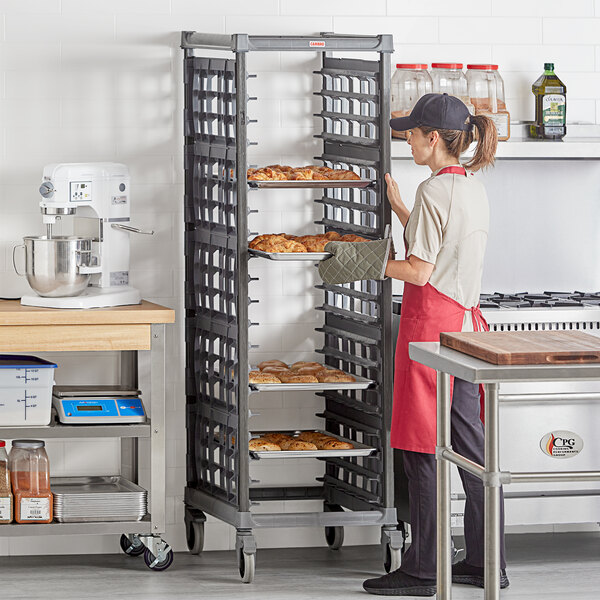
[[91, 298]]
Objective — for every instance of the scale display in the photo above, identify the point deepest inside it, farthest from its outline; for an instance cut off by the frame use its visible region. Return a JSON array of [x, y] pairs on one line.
[[88, 411]]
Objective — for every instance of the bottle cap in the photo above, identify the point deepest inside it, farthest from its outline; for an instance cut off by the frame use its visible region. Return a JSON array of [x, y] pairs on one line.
[[28, 444], [483, 67], [446, 65], [548, 66], [2, 443], [411, 66]]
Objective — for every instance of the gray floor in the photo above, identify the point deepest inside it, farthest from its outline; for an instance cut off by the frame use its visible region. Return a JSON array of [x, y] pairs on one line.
[[552, 567]]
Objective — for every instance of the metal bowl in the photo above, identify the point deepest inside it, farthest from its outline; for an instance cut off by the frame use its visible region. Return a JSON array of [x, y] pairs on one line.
[[52, 266]]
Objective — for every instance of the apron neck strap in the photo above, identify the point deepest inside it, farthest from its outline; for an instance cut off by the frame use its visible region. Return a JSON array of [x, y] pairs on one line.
[[453, 170]]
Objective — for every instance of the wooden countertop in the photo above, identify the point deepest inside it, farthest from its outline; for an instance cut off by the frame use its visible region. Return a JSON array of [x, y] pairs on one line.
[[13, 313]]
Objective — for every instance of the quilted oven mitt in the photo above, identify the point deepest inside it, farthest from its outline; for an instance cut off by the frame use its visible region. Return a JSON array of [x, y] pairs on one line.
[[353, 261]]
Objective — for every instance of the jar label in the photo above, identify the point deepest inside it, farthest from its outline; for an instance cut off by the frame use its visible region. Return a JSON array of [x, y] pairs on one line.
[[5, 509], [35, 509], [553, 109]]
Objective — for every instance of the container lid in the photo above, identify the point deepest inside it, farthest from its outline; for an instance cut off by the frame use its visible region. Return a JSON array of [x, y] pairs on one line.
[[483, 67], [2, 443], [446, 65], [19, 361], [28, 444], [411, 66]]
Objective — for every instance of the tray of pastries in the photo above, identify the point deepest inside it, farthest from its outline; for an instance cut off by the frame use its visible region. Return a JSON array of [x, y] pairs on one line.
[[311, 176], [278, 376], [304, 444], [284, 246]]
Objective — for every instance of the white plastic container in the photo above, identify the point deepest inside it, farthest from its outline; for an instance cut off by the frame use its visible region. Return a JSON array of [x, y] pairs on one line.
[[25, 390]]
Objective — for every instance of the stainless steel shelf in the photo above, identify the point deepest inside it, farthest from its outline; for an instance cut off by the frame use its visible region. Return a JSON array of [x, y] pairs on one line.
[[57, 430], [103, 528]]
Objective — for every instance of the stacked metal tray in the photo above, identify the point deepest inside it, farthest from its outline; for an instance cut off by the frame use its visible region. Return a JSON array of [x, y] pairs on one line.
[[97, 499], [290, 255], [312, 183], [358, 450]]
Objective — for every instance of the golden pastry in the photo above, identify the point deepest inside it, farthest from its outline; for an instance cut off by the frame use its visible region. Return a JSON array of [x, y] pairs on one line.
[[295, 444], [312, 436], [276, 438], [335, 377], [295, 378], [304, 363], [276, 370], [261, 377], [333, 236], [308, 370], [271, 363], [301, 174], [277, 243], [261, 445], [341, 174], [320, 442], [350, 237], [336, 445]]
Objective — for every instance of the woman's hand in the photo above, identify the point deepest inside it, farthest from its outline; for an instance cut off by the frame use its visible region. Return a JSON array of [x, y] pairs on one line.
[[393, 195]]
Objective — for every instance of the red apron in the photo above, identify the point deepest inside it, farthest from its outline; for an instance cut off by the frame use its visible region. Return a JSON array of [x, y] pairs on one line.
[[425, 314]]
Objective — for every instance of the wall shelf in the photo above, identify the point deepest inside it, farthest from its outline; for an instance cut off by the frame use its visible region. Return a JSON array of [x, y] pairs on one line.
[[527, 149], [101, 528], [59, 431], [582, 142]]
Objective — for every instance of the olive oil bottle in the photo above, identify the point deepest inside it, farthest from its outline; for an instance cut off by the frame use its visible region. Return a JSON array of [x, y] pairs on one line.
[[550, 106]]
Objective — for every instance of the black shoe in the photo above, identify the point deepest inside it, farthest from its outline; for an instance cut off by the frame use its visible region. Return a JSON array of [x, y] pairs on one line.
[[397, 583], [469, 575]]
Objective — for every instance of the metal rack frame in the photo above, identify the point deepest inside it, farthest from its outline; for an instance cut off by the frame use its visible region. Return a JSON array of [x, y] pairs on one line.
[[358, 317]]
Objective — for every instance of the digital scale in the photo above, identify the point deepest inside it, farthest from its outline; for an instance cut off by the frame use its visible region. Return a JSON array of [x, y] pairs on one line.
[[93, 404]]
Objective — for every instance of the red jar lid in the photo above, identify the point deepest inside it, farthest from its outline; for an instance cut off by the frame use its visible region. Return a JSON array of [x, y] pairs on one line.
[[446, 65], [411, 66], [483, 67], [2, 443]]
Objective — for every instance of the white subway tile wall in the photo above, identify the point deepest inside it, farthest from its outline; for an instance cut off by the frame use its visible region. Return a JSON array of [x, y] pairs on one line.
[[84, 80]]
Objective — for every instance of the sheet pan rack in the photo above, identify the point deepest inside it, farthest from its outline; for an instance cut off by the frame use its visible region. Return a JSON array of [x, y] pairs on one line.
[[355, 490]]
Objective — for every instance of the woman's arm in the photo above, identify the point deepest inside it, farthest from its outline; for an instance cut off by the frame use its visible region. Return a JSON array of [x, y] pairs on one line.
[[413, 270], [395, 200]]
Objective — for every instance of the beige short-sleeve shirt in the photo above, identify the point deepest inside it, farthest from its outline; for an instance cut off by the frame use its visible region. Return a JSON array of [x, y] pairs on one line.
[[448, 227]]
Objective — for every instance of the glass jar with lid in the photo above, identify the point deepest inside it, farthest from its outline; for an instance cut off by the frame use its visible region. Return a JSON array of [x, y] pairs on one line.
[[6, 498], [448, 78], [486, 94], [30, 476], [409, 83]]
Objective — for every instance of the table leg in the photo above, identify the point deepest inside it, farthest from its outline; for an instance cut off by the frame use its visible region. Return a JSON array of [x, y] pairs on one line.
[[444, 560], [157, 435], [492, 495]]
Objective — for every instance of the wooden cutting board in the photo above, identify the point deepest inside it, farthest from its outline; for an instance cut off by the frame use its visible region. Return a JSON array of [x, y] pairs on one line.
[[526, 347]]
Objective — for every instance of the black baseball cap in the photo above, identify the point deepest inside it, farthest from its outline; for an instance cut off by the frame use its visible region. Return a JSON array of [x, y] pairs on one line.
[[435, 110]]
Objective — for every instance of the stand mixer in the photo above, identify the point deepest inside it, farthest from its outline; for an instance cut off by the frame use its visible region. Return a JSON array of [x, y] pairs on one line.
[[96, 195]]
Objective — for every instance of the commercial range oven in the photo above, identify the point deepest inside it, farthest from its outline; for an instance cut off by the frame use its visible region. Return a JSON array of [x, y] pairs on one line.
[[561, 436]]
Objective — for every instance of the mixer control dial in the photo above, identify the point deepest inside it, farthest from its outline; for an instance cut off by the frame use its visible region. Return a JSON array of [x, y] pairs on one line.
[[47, 189]]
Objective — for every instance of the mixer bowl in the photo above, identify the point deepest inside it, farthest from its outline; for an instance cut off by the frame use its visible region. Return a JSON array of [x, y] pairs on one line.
[[52, 265]]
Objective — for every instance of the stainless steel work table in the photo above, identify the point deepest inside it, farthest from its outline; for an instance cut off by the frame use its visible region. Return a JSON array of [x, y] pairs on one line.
[[448, 363], [127, 330]]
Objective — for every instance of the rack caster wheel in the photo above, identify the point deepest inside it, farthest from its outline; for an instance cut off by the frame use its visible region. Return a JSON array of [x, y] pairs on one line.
[[135, 548], [334, 536], [158, 565], [247, 566], [194, 534], [393, 558]]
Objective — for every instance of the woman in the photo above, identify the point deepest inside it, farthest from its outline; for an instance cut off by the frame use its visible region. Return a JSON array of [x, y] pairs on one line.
[[445, 236]]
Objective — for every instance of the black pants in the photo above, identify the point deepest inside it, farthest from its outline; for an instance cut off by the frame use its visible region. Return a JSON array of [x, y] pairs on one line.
[[467, 439]]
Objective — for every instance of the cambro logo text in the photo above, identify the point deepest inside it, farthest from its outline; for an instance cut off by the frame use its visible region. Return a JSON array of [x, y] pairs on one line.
[[561, 444]]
